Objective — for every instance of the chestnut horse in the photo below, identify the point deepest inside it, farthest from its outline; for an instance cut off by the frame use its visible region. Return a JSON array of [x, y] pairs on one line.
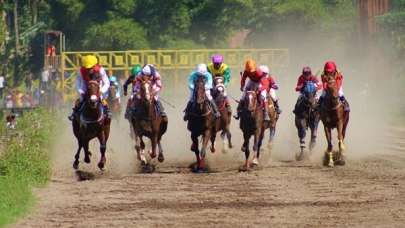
[[200, 123], [252, 124], [114, 102], [91, 123], [333, 116], [146, 121], [223, 123]]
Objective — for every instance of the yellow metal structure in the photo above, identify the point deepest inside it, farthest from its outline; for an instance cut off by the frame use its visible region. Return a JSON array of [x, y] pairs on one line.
[[122, 61]]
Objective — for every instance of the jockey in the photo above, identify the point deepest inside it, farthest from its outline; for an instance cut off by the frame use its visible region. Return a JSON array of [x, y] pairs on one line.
[[91, 70], [330, 69], [304, 78], [201, 71], [135, 70], [255, 81], [114, 81], [219, 69], [151, 72], [272, 86]]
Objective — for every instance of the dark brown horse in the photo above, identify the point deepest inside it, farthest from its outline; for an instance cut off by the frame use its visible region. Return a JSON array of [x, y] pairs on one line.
[[306, 116], [223, 123], [114, 102], [200, 123], [252, 124], [333, 116], [91, 123], [147, 122]]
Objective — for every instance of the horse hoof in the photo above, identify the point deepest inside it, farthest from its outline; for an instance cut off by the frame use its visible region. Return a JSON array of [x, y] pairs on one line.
[[212, 149], [101, 166], [76, 165], [152, 155], [230, 146], [244, 168], [255, 162], [87, 159], [299, 157], [161, 158]]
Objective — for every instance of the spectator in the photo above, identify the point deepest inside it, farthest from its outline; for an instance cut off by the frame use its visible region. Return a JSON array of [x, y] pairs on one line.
[[2, 85], [28, 82], [45, 79]]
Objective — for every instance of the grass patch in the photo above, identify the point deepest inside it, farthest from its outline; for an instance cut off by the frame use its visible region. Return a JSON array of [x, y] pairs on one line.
[[24, 162]]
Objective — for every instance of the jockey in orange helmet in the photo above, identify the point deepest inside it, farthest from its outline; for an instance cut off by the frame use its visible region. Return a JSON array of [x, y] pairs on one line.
[[255, 81], [330, 69], [91, 70]]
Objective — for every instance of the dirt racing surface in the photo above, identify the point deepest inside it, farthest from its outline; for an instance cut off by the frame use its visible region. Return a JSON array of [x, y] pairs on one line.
[[364, 193]]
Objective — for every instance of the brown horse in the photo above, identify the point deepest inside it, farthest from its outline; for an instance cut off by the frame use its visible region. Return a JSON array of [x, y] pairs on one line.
[[273, 121], [333, 116], [147, 122], [223, 123], [91, 123], [200, 123], [114, 102], [252, 124]]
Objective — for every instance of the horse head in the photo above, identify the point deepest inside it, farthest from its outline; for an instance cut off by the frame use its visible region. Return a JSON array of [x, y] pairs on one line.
[[251, 100], [309, 92], [199, 88], [332, 93], [93, 94], [146, 89]]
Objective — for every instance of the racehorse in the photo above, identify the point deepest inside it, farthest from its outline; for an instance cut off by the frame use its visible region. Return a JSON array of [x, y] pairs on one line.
[[200, 123], [146, 121], [333, 116], [91, 123], [252, 124], [223, 123], [114, 102], [306, 115], [273, 121]]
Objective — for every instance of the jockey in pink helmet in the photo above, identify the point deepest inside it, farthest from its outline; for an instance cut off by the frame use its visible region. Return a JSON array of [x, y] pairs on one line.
[[219, 69]]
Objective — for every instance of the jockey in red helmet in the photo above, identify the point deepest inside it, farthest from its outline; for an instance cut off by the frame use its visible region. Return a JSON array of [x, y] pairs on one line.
[[330, 69]]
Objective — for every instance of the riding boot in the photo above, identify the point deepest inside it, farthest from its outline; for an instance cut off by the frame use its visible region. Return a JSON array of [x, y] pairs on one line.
[[238, 110], [215, 108], [106, 109], [266, 112], [160, 108], [128, 110], [187, 110], [75, 109], [345, 103], [278, 110]]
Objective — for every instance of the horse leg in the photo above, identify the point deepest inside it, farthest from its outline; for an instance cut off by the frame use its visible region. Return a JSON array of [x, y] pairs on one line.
[[329, 153], [103, 146], [206, 138], [228, 136], [77, 155], [154, 143], [212, 138], [161, 157], [194, 148], [341, 157], [87, 153], [245, 148], [256, 147]]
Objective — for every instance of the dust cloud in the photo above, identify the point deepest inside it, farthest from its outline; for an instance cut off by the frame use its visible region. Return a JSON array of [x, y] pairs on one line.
[[370, 86]]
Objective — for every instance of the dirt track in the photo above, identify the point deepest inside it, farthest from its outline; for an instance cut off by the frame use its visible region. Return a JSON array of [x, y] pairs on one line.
[[365, 193]]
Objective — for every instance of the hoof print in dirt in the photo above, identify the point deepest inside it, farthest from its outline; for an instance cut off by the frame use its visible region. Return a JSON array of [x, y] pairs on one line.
[[199, 170], [148, 168], [84, 176]]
